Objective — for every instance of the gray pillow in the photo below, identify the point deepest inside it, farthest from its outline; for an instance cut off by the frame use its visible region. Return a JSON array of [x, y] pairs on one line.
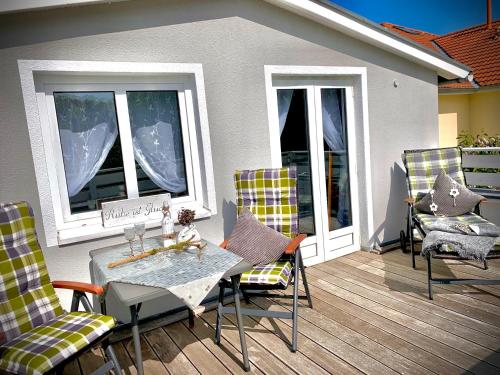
[[255, 242], [448, 198]]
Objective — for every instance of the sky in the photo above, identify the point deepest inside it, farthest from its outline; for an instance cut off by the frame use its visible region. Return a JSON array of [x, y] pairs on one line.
[[435, 16]]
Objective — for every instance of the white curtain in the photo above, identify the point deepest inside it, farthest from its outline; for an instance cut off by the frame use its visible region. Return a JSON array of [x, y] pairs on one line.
[[157, 137], [158, 150], [333, 127], [84, 152], [87, 130], [284, 100]]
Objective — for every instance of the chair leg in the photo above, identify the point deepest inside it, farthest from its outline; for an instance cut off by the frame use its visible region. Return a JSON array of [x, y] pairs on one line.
[[485, 264], [218, 325], [295, 299], [429, 276], [117, 370], [412, 248], [304, 279], [410, 228]]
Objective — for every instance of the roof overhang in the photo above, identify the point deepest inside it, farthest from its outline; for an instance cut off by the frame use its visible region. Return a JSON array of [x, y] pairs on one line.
[[324, 13], [362, 29], [11, 6]]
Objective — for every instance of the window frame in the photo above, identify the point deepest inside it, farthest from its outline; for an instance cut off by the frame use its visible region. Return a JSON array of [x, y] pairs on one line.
[[40, 79]]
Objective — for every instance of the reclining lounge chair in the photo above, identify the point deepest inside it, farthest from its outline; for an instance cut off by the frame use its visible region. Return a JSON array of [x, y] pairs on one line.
[[422, 169]]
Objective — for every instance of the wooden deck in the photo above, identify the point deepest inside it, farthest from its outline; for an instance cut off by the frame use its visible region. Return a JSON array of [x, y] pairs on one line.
[[371, 315]]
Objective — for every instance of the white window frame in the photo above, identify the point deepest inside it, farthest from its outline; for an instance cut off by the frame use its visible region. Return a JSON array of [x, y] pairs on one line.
[[40, 78]]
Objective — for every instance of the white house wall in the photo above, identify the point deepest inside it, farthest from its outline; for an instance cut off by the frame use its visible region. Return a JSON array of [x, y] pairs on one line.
[[233, 40]]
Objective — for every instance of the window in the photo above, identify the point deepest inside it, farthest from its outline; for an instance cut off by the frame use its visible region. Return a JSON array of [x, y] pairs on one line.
[[114, 136]]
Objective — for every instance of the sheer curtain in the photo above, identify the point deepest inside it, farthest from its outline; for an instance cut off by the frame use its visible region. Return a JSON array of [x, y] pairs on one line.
[[284, 100], [333, 126], [157, 138], [85, 138]]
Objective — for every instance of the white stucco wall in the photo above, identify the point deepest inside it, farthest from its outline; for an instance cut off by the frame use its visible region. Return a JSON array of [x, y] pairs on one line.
[[233, 40]]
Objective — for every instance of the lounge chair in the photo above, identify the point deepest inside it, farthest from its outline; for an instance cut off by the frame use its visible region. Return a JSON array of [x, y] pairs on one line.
[[422, 169], [36, 335]]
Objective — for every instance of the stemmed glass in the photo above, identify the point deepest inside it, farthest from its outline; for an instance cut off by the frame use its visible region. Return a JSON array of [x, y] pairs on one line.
[[140, 230], [130, 236]]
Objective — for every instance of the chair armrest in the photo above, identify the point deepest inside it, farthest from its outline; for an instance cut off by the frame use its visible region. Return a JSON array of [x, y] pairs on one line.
[[78, 286], [224, 244], [294, 244], [410, 200]]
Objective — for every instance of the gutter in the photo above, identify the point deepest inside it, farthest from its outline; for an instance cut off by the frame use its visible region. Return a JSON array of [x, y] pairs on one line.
[[360, 28]]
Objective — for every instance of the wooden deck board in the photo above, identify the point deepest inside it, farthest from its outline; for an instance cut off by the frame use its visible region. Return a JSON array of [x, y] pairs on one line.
[[371, 315]]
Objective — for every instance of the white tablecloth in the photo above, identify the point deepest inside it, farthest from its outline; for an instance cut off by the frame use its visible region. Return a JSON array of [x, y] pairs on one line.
[[190, 274]]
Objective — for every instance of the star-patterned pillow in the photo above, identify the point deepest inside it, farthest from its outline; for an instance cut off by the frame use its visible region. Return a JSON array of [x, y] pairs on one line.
[[448, 198]]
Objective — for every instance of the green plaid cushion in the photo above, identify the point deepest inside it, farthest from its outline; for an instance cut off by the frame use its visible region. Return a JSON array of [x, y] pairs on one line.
[[271, 195], [423, 166], [469, 218], [27, 299], [269, 274], [47, 345]]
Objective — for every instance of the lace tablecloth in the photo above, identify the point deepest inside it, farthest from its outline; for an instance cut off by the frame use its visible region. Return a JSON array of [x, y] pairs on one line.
[[190, 274]]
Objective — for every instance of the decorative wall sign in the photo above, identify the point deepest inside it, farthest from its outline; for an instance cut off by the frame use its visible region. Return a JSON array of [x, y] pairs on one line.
[[135, 210]]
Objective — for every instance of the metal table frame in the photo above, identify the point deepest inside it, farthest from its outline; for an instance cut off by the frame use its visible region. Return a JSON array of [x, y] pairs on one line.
[[133, 296]]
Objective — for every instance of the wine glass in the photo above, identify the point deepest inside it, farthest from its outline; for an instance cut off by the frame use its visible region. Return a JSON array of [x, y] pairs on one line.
[[130, 236], [140, 230]]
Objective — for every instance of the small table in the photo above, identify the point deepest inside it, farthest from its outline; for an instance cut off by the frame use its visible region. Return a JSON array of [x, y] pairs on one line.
[[171, 263]]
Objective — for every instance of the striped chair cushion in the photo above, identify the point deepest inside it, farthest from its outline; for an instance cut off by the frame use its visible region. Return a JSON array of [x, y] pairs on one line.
[[423, 166], [44, 347], [269, 274], [27, 299], [271, 195]]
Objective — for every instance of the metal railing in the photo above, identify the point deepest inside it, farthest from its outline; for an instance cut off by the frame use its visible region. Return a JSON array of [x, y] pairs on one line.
[[481, 166]]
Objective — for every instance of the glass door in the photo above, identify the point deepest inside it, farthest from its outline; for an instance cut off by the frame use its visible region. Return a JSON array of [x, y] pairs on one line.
[[313, 125]]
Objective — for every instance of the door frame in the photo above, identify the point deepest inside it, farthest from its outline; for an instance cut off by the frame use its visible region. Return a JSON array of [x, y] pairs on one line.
[[354, 79]]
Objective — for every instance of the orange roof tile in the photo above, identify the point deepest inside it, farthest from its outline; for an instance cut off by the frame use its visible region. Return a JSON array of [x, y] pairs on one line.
[[477, 47], [419, 36]]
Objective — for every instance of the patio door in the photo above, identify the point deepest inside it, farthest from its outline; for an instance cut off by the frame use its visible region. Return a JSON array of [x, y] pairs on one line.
[[317, 136]]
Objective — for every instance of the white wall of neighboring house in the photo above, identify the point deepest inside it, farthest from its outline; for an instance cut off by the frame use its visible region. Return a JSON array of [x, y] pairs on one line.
[[233, 40]]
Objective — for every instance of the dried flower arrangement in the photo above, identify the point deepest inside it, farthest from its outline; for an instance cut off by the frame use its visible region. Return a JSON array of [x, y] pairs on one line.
[[186, 216]]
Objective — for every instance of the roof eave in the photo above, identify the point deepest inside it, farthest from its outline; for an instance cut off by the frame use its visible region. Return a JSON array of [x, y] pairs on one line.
[[366, 31], [16, 6]]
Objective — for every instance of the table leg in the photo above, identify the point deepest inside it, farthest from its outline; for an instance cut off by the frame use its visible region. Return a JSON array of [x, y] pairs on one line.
[[235, 281], [134, 313]]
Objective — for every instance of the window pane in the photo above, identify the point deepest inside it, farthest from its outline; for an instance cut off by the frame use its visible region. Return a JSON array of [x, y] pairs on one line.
[[336, 158], [157, 139], [295, 150], [91, 149]]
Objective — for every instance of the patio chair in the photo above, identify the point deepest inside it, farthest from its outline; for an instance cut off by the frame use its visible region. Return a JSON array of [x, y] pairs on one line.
[[36, 335], [271, 195], [422, 168]]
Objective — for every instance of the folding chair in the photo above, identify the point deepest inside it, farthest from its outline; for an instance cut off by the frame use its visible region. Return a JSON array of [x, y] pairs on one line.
[[271, 195], [37, 336], [422, 169]]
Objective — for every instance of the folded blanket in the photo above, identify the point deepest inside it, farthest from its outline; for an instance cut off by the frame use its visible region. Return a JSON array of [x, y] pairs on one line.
[[470, 242]]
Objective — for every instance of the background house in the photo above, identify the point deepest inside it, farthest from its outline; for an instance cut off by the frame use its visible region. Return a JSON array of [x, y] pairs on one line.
[[471, 105], [236, 85]]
